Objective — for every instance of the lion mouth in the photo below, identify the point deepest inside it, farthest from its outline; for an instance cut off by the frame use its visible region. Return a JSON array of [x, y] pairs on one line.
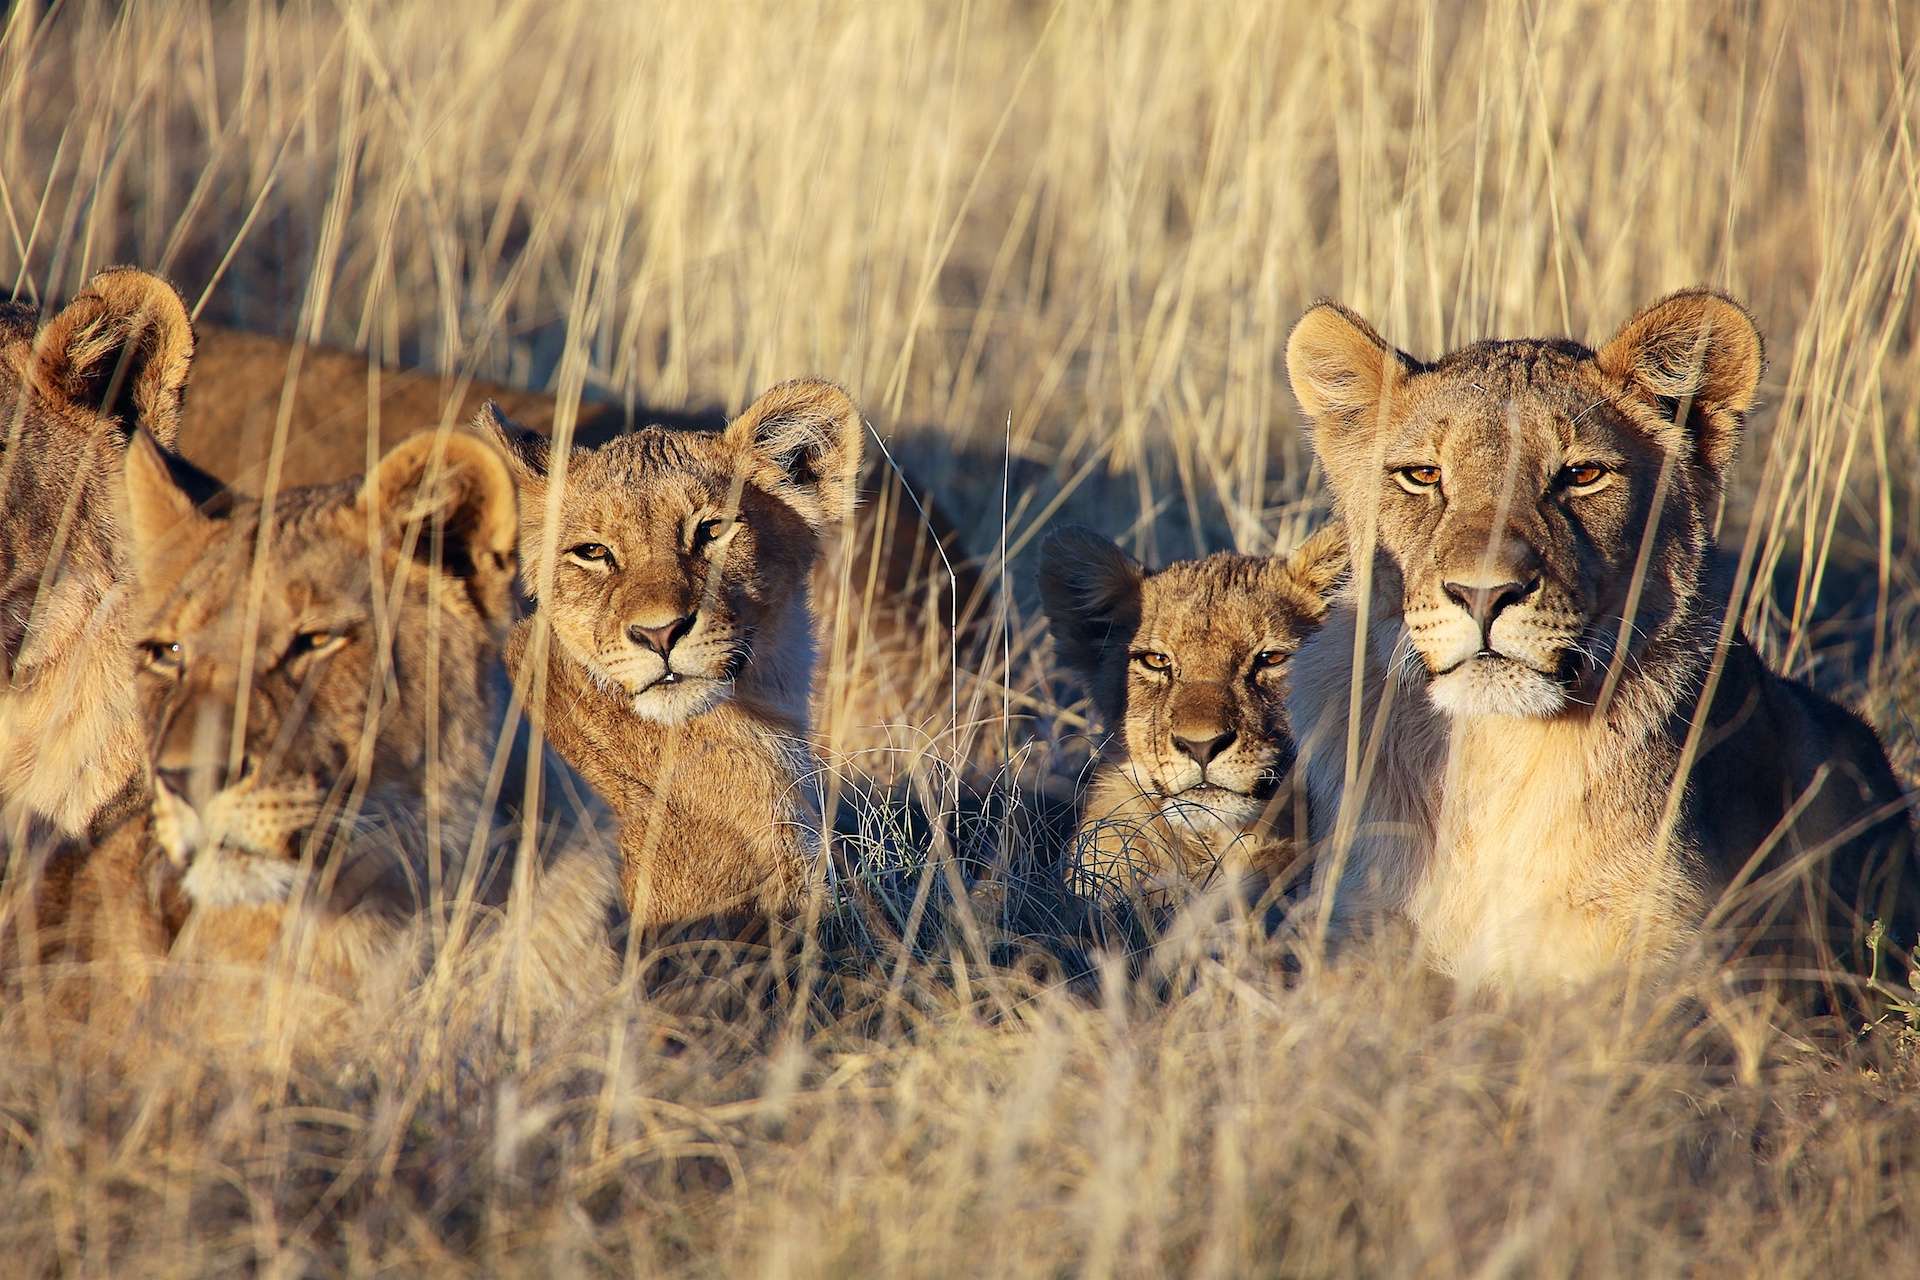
[[1493, 657]]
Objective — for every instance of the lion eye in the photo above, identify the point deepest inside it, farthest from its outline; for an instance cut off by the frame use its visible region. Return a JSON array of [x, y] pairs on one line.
[[591, 553], [710, 531], [307, 643], [1582, 475], [162, 655], [1419, 479], [1267, 659], [1153, 661]]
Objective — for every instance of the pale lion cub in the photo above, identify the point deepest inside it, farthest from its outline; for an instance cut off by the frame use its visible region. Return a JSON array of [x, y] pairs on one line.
[[1188, 667], [672, 568], [1529, 775]]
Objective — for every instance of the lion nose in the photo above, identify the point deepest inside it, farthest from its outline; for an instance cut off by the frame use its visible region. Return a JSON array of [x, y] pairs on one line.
[[1484, 604], [180, 779], [1203, 751], [662, 638]]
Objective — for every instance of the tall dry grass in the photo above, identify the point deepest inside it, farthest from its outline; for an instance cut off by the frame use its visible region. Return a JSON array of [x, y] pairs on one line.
[[1055, 250]]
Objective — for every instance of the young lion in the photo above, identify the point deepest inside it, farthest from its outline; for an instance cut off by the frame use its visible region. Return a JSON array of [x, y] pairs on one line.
[[671, 568], [1565, 758], [71, 391], [317, 692], [1189, 663]]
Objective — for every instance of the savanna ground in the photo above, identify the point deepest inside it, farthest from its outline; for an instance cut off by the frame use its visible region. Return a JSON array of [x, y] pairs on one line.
[[1054, 250]]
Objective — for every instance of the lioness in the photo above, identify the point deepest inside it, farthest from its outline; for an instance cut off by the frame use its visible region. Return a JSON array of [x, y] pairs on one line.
[[672, 570], [71, 390], [317, 689], [1565, 757], [1188, 666]]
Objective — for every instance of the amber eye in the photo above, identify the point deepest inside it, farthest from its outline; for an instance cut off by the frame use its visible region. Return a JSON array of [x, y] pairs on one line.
[[1418, 479], [307, 643], [161, 655], [1267, 659], [1582, 475], [1153, 661], [591, 553], [710, 531]]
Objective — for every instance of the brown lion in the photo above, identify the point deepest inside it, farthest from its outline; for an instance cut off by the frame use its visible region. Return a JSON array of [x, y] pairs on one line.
[[113, 361], [1564, 757], [1188, 666], [317, 692], [671, 570]]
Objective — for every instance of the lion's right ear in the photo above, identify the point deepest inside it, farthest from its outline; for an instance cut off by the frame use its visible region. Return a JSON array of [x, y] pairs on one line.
[[1340, 369], [1091, 591], [164, 526], [120, 350], [525, 450]]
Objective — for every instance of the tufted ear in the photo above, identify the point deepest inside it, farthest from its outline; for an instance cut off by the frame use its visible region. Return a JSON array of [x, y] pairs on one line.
[[455, 490], [1338, 366], [1697, 357], [122, 350], [1318, 564], [164, 526], [811, 432], [1091, 591]]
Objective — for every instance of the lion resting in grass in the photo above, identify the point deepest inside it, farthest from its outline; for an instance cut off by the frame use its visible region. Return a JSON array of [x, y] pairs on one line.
[[317, 691], [1565, 758], [1188, 667], [673, 652], [113, 361]]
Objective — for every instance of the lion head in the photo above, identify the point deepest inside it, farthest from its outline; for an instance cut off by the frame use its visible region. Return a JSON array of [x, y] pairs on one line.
[[673, 564], [71, 391], [1543, 510], [1188, 664], [317, 666]]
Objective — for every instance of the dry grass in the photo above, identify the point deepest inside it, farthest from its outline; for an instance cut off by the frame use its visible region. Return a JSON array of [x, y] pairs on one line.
[[1054, 249]]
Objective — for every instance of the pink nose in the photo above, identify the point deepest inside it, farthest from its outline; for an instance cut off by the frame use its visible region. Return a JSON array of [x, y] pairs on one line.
[[1484, 604], [660, 639]]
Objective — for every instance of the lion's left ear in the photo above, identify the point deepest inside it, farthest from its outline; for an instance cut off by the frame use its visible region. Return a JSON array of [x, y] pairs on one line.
[[449, 496], [811, 431], [1697, 356], [120, 350]]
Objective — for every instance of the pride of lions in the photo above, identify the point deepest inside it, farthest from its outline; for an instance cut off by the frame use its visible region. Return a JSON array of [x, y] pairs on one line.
[[1501, 699]]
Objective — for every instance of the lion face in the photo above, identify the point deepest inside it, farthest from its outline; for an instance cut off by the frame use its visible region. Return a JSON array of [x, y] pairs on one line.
[[676, 562], [1190, 663], [309, 672], [1543, 509], [71, 390]]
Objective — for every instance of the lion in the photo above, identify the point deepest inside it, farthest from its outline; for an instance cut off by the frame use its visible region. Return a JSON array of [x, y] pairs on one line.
[[1187, 665], [318, 684], [1533, 728], [113, 361], [672, 653]]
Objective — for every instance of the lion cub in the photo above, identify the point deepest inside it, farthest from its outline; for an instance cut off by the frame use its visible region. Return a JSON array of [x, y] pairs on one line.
[[671, 568], [1570, 760], [1188, 667], [317, 689]]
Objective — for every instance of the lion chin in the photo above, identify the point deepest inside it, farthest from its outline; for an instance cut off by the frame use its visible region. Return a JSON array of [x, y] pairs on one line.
[[679, 700], [1491, 685], [224, 877]]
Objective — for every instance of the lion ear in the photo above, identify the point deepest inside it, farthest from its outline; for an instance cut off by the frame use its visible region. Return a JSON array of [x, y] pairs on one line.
[[121, 350], [448, 497], [1320, 563], [526, 451], [1339, 367], [1090, 589], [164, 525], [811, 431], [1697, 356]]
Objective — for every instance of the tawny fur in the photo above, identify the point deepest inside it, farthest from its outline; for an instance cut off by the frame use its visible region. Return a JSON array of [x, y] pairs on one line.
[[703, 543], [1220, 634], [71, 390], [1519, 783]]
